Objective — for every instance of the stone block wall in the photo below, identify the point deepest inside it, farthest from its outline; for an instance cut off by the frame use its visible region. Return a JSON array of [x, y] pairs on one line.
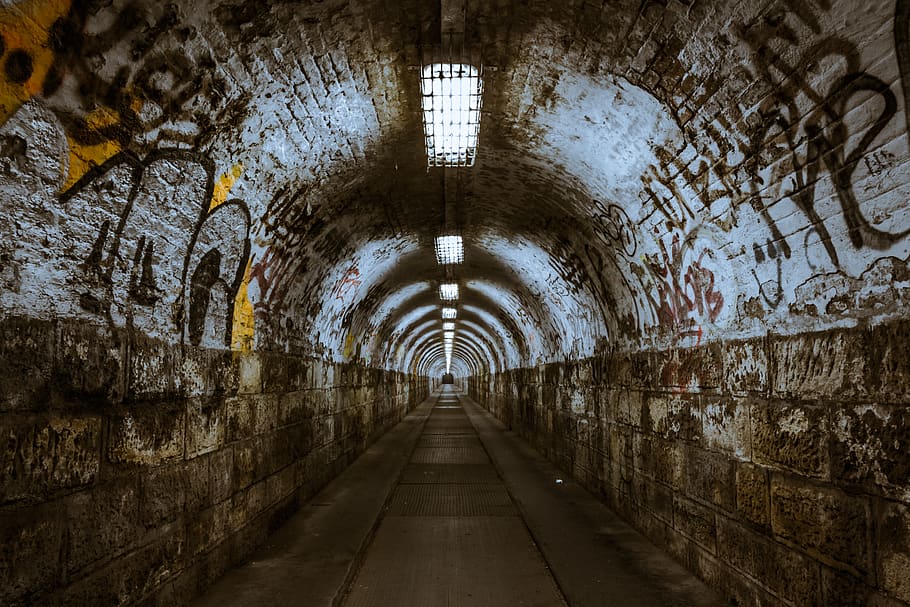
[[776, 468], [132, 471]]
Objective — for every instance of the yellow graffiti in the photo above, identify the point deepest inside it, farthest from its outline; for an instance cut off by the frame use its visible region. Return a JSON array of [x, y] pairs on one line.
[[349, 346], [243, 329], [25, 28], [224, 184], [243, 325], [84, 157]]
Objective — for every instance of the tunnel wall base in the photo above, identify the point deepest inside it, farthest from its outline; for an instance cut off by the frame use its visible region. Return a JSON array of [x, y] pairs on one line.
[[134, 470], [777, 469]]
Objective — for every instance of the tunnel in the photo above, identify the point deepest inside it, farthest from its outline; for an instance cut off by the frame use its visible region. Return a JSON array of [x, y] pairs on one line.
[[656, 248]]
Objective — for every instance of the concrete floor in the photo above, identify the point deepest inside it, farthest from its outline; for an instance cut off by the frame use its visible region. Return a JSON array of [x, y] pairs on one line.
[[451, 509]]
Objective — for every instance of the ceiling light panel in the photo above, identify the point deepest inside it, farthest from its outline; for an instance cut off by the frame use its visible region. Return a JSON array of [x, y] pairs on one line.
[[448, 291], [451, 113], [449, 250]]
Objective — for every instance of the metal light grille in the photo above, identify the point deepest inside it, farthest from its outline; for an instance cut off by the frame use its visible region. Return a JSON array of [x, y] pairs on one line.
[[448, 291], [449, 313], [449, 250], [451, 113]]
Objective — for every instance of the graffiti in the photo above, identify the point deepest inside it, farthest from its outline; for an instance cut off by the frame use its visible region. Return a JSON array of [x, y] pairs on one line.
[[129, 287], [666, 198], [878, 162], [614, 227], [139, 243], [144, 92], [557, 287], [902, 48], [774, 287], [348, 283], [684, 285], [825, 131]]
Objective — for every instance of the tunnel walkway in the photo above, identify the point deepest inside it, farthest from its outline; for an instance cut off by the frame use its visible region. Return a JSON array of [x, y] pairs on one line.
[[451, 509]]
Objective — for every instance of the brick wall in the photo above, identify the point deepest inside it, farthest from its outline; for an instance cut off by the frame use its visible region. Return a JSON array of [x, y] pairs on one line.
[[132, 469], [777, 468]]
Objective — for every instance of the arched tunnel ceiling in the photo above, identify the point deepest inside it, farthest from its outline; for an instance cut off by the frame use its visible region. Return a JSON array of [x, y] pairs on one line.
[[649, 172]]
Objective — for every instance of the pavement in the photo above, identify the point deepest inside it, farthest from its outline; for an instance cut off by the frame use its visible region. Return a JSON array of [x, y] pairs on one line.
[[451, 509]]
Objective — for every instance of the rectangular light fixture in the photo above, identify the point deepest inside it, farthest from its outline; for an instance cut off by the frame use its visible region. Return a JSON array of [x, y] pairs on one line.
[[451, 113], [448, 326], [449, 250], [449, 313], [448, 291]]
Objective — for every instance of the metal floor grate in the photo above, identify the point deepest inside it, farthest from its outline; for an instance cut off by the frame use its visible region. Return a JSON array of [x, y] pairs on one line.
[[451, 500], [450, 473], [450, 455]]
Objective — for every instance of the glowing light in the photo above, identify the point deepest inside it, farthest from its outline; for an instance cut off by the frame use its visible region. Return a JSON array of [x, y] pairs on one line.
[[448, 326], [449, 250], [451, 113], [448, 336], [449, 313], [448, 291]]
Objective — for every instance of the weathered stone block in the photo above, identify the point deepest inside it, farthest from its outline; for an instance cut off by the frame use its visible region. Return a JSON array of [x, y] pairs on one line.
[[695, 521], [240, 418], [117, 504], [829, 524], [250, 373], [152, 369], [642, 373], [206, 427], [753, 494], [299, 370], [294, 407], [202, 372], [90, 361], [870, 445], [267, 409], [887, 362], [786, 572], [163, 494], [893, 554], [745, 365], [198, 484], [31, 542], [731, 585], [657, 498], [710, 477], [125, 581], [648, 411], [790, 436], [818, 365], [42, 454], [726, 426], [683, 420], [221, 474], [692, 369], [148, 435], [245, 465], [27, 357], [274, 372], [842, 589]]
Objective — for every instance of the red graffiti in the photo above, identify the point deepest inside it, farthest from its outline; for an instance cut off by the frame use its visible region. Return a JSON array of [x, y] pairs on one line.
[[683, 288], [258, 272], [348, 283]]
